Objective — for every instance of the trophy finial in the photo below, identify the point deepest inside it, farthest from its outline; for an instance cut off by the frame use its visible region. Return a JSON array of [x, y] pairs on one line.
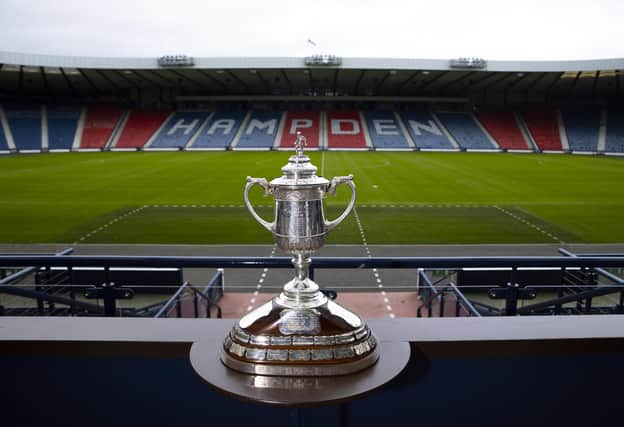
[[300, 143]]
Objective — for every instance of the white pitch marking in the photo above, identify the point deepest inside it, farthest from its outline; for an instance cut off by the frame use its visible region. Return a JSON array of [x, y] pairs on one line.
[[368, 252], [252, 301], [529, 224], [109, 223]]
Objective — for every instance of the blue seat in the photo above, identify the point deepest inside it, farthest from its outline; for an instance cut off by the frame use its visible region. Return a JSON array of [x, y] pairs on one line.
[[25, 125], [466, 131], [582, 127], [384, 130], [4, 146], [424, 130], [220, 130], [179, 129], [62, 125], [615, 132], [261, 130]]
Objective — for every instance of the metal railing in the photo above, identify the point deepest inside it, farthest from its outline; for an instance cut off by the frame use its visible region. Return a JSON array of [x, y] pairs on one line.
[[208, 298], [439, 294]]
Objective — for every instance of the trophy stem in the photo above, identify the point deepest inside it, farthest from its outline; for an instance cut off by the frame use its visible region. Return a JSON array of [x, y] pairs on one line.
[[302, 268]]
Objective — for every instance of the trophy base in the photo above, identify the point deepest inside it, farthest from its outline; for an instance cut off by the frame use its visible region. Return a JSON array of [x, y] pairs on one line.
[[318, 370], [322, 339]]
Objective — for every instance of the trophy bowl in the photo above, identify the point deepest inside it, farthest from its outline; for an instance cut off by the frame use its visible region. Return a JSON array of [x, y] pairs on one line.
[[300, 332]]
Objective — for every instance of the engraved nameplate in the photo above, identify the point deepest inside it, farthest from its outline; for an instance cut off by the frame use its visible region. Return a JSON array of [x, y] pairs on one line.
[[277, 354], [324, 354], [300, 322]]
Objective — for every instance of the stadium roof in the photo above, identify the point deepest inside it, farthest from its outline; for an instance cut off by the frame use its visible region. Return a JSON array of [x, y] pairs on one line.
[[290, 78]]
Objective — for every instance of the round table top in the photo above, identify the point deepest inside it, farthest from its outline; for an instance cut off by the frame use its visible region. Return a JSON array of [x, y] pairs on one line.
[[297, 391]]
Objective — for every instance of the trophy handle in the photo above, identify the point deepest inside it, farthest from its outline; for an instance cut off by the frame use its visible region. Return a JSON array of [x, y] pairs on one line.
[[262, 182], [335, 182]]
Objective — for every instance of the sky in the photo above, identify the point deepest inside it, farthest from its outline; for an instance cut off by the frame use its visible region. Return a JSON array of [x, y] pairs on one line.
[[493, 30]]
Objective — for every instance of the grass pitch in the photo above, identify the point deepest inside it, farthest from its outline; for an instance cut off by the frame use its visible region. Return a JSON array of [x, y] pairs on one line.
[[410, 198]]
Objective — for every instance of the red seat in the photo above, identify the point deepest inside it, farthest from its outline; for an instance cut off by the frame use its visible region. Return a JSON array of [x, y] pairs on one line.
[[504, 129], [345, 130], [99, 124], [141, 125], [306, 122], [544, 128]]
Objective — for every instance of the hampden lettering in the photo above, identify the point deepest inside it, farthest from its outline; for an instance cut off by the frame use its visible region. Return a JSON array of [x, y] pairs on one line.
[[431, 128], [225, 124], [257, 124], [385, 127], [300, 124], [352, 127], [180, 125]]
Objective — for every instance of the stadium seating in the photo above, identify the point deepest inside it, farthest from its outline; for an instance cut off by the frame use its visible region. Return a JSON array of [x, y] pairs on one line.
[[544, 128], [345, 130], [334, 129], [503, 127], [100, 121], [384, 130], [306, 122], [219, 131], [615, 132], [582, 128], [140, 126], [260, 130], [4, 146], [25, 125], [62, 124], [425, 132], [179, 129], [466, 131]]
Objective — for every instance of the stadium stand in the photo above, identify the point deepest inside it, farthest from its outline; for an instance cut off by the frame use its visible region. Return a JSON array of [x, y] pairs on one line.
[[345, 130], [425, 132], [582, 128], [62, 125], [306, 122], [4, 145], [544, 129], [503, 127], [179, 129], [615, 132], [219, 130], [25, 125], [466, 131], [260, 130], [100, 121], [141, 125], [384, 130]]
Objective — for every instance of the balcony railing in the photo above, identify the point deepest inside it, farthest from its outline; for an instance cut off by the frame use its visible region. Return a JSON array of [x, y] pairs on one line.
[[584, 278]]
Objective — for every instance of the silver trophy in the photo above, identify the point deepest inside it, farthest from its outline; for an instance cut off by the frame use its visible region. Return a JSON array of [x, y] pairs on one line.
[[300, 332]]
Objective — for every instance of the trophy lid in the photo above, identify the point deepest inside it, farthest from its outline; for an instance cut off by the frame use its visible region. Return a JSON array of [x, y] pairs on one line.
[[299, 171]]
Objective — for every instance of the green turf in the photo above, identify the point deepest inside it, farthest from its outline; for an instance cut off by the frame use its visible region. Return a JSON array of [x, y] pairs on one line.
[[402, 197]]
